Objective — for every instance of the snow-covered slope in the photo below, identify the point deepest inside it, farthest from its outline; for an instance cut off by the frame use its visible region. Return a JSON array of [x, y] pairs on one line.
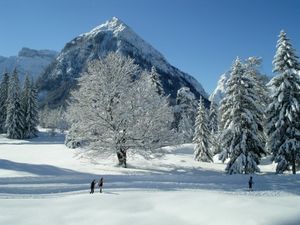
[[219, 92], [44, 182], [116, 36], [28, 61]]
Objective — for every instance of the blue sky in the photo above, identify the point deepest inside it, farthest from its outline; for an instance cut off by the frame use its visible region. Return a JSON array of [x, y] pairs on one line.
[[200, 37]]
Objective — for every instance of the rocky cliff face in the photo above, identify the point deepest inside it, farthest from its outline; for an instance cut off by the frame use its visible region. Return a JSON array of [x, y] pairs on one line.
[[60, 77], [28, 61]]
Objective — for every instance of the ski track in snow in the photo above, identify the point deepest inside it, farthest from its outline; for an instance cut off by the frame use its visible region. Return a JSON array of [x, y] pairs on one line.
[[80, 183], [43, 182], [51, 180]]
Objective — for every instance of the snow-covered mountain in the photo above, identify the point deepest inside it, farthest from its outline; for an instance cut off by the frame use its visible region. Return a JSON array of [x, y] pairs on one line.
[[219, 92], [116, 36], [28, 61]]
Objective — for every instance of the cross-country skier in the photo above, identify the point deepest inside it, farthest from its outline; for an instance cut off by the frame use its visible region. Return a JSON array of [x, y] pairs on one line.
[[250, 183], [93, 186], [100, 184]]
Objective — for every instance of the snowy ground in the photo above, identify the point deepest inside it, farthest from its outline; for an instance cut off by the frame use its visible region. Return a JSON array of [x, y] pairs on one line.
[[43, 182]]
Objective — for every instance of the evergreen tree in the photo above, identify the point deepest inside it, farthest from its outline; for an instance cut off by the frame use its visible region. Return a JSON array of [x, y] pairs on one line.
[[29, 105], [3, 101], [213, 125], [15, 115], [24, 100], [201, 138], [252, 65], [285, 57], [213, 118], [155, 79], [185, 113], [283, 122], [241, 119]]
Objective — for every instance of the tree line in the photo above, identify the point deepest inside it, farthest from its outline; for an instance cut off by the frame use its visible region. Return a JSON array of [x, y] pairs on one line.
[[18, 107], [118, 108], [254, 119]]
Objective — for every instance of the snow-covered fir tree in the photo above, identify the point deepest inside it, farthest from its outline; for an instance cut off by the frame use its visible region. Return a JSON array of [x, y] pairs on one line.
[[155, 79], [213, 125], [252, 66], [3, 101], [15, 115], [185, 113], [201, 139], [213, 117], [112, 113], [285, 57], [283, 113], [30, 109], [241, 118]]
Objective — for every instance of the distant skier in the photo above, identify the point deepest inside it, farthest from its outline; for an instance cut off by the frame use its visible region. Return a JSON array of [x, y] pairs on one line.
[[100, 184], [250, 182], [93, 186]]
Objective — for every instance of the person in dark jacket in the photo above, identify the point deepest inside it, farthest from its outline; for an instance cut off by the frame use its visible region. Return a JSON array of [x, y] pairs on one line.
[[100, 184], [250, 183], [93, 186]]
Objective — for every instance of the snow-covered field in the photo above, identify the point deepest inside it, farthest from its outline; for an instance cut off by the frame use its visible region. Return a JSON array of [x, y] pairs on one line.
[[43, 182]]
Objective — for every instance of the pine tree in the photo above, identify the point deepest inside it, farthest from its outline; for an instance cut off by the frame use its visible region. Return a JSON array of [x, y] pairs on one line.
[[15, 115], [29, 105], [252, 66], [285, 57], [241, 119], [185, 114], [24, 103], [283, 122], [3, 101], [226, 106], [201, 138], [155, 79], [213, 125]]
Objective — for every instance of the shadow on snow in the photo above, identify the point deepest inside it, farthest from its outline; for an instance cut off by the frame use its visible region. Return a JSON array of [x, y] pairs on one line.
[[50, 180]]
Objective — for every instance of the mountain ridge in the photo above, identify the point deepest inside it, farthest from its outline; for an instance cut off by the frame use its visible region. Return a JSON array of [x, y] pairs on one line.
[[114, 35], [28, 61]]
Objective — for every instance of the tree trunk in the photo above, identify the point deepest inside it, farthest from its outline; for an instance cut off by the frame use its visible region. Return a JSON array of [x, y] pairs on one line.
[[122, 157]]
